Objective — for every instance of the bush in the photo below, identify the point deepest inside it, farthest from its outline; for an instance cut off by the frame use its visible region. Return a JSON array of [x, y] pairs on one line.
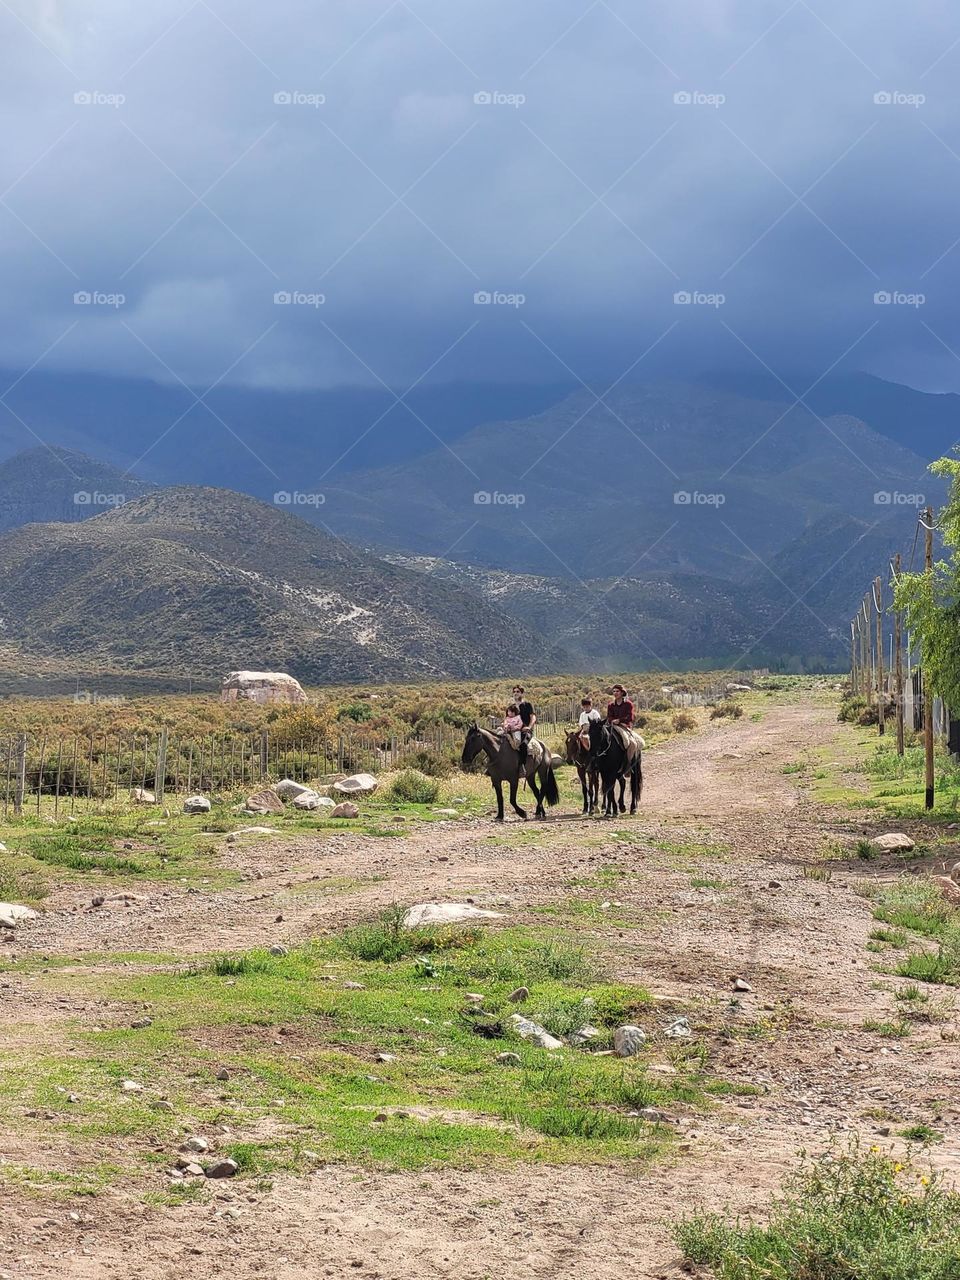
[[727, 710], [431, 762], [661, 705], [410, 786], [850, 709], [683, 721], [386, 939], [853, 1216]]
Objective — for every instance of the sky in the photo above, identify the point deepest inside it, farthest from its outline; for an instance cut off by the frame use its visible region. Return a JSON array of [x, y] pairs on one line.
[[311, 194]]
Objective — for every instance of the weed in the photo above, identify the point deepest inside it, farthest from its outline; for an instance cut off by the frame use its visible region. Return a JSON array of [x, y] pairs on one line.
[[410, 786], [889, 1030], [921, 1133]]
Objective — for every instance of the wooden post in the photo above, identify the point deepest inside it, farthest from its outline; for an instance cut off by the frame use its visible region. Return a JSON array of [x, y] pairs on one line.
[[898, 657], [867, 654], [21, 777], [881, 692], [927, 688], [161, 771], [854, 682]]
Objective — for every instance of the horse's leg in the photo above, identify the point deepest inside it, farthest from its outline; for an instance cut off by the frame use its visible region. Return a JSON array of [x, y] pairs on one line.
[[634, 786], [594, 790], [513, 798], [539, 812], [582, 775], [623, 787], [609, 804], [498, 788], [639, 778]]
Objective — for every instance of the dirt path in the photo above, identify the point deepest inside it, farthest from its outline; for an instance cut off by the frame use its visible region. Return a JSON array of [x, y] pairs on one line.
[[717, 806]]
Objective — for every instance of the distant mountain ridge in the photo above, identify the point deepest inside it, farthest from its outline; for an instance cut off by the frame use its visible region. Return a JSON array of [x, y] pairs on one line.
[[207, 580]]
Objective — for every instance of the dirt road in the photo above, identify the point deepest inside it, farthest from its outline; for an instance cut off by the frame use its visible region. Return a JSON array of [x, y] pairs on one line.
[[718, 808]]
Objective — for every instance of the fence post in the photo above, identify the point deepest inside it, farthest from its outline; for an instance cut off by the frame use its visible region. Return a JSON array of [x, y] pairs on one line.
[[161, 765], [264, 756], [21, 781]]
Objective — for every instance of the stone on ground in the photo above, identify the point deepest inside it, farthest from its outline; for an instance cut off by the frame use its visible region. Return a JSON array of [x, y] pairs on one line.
[[222, 1169], [893, 842], [628, 1041], [265, 801], [261, 686], [445, 913], [196, 804], [287, 789], [360, 784], [11, 914], [345, 810], [139, 795], [309, 800], [527, 1029]]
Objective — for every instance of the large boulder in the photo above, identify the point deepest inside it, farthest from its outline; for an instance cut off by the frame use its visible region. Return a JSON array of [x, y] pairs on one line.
[[893, 842], [345, 809], [266, 801], [628, 1041], [360, 784], [425, 913], [196, 804], [12, 913], [287, 789], [261, 686]]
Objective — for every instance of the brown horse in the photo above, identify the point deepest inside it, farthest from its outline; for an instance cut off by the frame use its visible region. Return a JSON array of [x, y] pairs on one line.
[[587, 772]]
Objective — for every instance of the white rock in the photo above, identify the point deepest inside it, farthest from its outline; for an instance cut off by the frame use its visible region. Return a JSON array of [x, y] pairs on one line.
[[363, 784], [447, 813], [139, 795], [345, 810], [196, 804], [532, 1031], [11, 913], [955, 872], [131, 1086], [678, 1030], [196, 1144], [309, 800], [265, 801], [287, 789], [893, 842], [445, 913], [262, 687], [628, 1041], [257, 831], [583, 1035]]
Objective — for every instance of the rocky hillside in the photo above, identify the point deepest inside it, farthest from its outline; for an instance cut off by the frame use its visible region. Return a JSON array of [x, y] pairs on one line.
[[206, 580], [48, 483]]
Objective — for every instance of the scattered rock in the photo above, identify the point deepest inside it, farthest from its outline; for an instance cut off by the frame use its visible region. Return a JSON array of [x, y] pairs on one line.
[[310, 801], [195, 1144], [740, 984], [222, 1169], [223, 1074], [353, 986], [949, 888], [287, 789], [256, 831], [445, 913], [518, 996], [191, 1169], [475, 997], [139, 795], [529, 1030], [277, 950], [345, 810], [362, 784], [678, 1030], [628, 1041], [141, 1023], [893, 842], [386, 1057], [508, 1059], [583, 1035], [654, 1116], [12, 913], [265, 801], [955, 872], [131, 1086], [447, 813], [196, 804], [162, 1105]]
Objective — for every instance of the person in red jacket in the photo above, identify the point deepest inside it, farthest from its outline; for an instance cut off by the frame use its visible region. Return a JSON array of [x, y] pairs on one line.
[[620, 710]]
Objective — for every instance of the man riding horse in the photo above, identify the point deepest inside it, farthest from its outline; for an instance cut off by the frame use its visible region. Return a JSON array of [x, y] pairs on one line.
[[616, 751]]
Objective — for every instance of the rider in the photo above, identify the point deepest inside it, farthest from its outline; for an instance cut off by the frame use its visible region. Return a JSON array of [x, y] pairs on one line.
[[528, 719], [588, 713], [512, 724], [620, 710]]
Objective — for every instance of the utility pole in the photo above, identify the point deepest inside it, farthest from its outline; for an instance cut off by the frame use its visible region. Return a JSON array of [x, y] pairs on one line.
[[898, 657], [881, 692], [927, 522]]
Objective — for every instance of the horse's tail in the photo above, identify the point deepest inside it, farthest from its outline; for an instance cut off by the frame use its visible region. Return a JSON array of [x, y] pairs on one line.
[[551, 792]]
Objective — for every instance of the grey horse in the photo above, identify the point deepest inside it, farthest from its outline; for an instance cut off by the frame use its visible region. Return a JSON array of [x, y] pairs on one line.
[[503, 765]]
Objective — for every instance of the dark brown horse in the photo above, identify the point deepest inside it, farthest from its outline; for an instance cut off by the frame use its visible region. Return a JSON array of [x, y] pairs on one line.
[[587, 772], [503, 765]]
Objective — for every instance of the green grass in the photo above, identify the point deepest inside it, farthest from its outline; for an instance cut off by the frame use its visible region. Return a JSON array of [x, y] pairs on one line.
[[889, 1030], [847, 1216], [921, 1133], [300, 1046], [916, 908]]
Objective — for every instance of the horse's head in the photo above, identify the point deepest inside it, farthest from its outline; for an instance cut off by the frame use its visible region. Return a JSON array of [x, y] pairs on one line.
[[572, 746], [472, 746], [599, 733]]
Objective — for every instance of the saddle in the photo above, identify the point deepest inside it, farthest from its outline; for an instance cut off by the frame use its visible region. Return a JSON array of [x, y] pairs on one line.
[[535, 747], [630, 740]]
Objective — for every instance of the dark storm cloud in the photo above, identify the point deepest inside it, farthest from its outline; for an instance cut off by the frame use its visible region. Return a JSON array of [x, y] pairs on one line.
[[398, 159]]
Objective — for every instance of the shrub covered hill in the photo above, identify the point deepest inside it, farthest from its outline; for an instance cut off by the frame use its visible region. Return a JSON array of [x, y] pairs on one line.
[[206, 580]]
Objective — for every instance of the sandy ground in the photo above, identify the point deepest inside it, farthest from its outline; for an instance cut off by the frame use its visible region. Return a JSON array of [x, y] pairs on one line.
[[798, 941]]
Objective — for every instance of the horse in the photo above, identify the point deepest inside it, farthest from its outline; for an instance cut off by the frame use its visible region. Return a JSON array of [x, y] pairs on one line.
[[616, 764], [579, 756], [503, 765]]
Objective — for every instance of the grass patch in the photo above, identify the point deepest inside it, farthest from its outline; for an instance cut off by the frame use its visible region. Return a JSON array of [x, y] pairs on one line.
[[843, 1217], [918, 908], [889, 1030]]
